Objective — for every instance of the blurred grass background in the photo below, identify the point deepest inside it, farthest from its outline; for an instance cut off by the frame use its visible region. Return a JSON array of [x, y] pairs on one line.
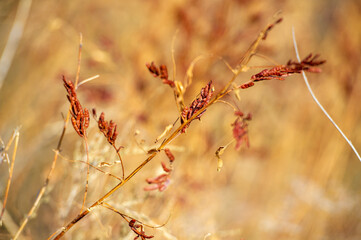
[[298, 180]]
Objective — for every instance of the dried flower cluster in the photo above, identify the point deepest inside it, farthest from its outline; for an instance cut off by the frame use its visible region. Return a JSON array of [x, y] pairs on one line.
[[282, 71], [109, 129], [161, 72], [138, 229], [162, 181], [79, 116], [240, 129], [204, 98], [307, 64]]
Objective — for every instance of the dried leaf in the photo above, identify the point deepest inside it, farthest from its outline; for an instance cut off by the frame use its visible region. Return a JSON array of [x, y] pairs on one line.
[[219, 152]]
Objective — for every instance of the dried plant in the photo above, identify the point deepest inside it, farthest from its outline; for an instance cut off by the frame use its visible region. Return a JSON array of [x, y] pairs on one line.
[[199, 103], [80, 119], [161, 72], [136, 226], [80, 116], [109, 129], [219, 36], [282, 71], [188, 114]]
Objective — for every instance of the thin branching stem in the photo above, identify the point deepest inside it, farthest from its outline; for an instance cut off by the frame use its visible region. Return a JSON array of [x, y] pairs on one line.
[[135, 171], [318, 102], [91, 165], [11, 170]]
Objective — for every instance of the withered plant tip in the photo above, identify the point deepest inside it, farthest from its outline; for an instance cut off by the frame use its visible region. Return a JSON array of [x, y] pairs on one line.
[[204, 98], [280, 72], [161, 72], [79, 116], [109, 129]]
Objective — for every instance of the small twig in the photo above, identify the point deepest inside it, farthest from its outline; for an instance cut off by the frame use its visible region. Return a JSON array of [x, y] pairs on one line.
[[87, 80], [172, 52], [87, 172], [318, 103], [11, 169], [227, 103], [110, 207], [79, 60], [91, 165]]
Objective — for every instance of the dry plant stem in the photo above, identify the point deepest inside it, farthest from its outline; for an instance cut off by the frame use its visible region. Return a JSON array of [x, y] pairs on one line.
[[106, 205], [79, 60], [121, 160], [318, 103], [87, 172], [242, 67], [11, 169], [56, 154], [87, 80], [95, 167], [110, 207], [135, 171]]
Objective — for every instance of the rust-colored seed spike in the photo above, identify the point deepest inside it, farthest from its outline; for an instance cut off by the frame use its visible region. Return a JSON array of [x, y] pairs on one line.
[[169, 154], [205, 96], [153, 69], [163, 72], [86, 118], [80, 118], [247, 85]]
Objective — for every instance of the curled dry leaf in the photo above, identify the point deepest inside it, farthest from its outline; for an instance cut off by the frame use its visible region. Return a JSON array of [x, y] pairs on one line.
[[219, 152]]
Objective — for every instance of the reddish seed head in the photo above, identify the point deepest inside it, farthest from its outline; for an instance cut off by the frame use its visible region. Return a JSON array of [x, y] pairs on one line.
[[238, 113], [169, 154], [204, 98], [163, 72], [80, 118], [153, 69]]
